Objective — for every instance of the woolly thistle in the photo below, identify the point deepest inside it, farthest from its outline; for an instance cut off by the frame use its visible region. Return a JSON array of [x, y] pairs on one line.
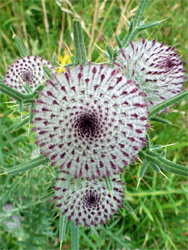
[[155, 67], [87, 201], [27, 70], [90, 121]]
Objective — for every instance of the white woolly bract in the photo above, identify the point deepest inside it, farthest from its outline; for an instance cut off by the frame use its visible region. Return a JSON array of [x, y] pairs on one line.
[[90, 121], [87, 201], [155, 67], [26, 70]]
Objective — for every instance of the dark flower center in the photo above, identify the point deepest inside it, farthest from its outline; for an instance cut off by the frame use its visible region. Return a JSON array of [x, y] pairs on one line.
[[87, 125], [91, 199], [27, 77]]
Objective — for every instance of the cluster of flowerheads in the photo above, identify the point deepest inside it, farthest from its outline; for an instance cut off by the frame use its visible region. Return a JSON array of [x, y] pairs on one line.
[[91, 121]]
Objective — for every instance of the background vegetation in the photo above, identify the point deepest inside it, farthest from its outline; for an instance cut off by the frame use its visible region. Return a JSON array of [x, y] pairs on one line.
[[160, 205]]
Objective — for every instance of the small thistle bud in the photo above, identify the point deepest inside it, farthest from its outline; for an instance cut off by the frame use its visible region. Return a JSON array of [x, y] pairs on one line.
[[87, 201], [156, 67], [90, 121], [27, 70]]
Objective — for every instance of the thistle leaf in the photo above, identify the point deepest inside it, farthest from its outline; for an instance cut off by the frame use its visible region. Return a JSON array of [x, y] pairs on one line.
[[74, 236], [119, 43], [148, 25], [168, 103], [140, 12], [62, 228], [53, 59], [157, 159], [11, 92], [142, 171], [47, 71], [80, 50], [21, 48], [26, 166], [158, 119]]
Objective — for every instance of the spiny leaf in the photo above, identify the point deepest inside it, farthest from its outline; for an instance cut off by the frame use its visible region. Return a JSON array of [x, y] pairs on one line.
[[17, 95], [168, 103], [130, 210], [155, 167], [140, 12], [47, 71], [62, 228], [74, 236], [110, 51], [119, 43], [158, 119], [21, 48], [26, 166], [142, 171], [164, 163], [11, 92], [27, 88], [148, 25], [80, 50], [53, 59]]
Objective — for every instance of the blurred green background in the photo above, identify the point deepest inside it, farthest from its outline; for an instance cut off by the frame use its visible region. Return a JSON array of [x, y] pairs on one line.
[[160, 205]]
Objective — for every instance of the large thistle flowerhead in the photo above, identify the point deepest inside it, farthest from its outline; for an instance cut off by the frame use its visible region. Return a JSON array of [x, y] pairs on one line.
[[26, 70], [90, 121], [87, 201], [156, 68]]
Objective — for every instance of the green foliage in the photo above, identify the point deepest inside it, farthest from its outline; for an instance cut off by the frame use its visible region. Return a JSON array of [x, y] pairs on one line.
[[159, 204], [29, 165], [62, 228], [74, 236], [21, 48], [80, 50], [168, 103]]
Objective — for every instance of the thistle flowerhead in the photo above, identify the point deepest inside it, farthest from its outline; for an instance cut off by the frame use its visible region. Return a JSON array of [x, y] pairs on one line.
[[90, 121], [87, 201], [27, 70], [156, 68]]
